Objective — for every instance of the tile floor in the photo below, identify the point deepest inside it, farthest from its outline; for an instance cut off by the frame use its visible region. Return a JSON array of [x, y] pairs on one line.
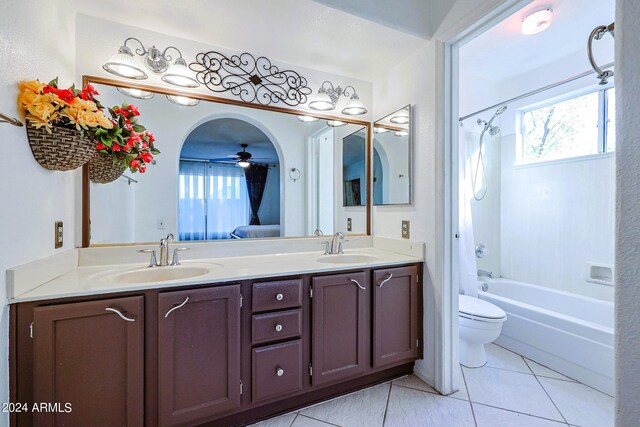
[[510, 391]]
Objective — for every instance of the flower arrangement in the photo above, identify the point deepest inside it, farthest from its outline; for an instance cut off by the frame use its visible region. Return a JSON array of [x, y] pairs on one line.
[[129, 143], [46, 106]]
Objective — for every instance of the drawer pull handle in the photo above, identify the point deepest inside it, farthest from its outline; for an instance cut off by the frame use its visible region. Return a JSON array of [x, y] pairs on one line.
[[358, 283], [278, 328], [279, 372], [119, 313], [176, 307], [386, 280], [279, 297]]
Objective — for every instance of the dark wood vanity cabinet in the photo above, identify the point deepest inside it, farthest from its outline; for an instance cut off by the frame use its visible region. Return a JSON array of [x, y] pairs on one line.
[[198, 355], [89, 355], [395, 314], [339, 333]]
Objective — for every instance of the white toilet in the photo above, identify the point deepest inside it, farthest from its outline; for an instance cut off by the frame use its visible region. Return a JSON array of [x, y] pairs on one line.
[[480, 323]]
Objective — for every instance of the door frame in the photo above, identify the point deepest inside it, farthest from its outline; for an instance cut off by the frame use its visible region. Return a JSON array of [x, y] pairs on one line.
[[447, 214]]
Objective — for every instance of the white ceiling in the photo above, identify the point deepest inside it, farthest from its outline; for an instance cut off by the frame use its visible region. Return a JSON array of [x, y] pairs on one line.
[[408, 16], [301, 32], [504, 52]]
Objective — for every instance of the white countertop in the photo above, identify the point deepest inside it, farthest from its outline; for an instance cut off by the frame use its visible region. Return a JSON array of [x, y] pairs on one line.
[[95, 280]]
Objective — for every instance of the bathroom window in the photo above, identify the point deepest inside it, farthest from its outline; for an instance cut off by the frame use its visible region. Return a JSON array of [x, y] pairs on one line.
[[579, 126]]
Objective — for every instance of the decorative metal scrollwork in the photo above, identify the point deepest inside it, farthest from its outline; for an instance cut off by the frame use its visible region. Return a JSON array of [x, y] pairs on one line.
[[249, 78]]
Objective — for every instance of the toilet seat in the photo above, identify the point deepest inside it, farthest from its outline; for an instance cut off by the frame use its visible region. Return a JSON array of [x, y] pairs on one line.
[[479, 310]]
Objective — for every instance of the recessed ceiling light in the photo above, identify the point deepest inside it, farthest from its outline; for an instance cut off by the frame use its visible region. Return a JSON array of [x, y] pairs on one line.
[[537, 21]]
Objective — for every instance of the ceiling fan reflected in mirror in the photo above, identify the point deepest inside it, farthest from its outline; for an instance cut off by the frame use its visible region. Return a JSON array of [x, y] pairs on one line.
[[241, 159]]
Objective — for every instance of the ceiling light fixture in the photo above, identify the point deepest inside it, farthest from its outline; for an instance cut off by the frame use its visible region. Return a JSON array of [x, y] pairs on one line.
[[135, 93], [183, 100], [123, 64], [243, 164], [307, 119], [328, 96], [335, 123], [537, 21]]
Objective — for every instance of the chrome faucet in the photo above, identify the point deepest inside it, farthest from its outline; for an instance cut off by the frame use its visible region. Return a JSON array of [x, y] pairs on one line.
[[336, 243], [164, 253], [164, 250], [484, 273]]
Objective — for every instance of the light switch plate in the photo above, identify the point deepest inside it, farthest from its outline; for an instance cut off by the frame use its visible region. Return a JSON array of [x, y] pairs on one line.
[[349, 224], [405, 229], [59, 235]]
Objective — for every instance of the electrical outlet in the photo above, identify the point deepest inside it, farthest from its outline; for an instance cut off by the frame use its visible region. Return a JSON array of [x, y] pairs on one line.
[[405, 229], [161, 224], [59, 234], [349, 224]]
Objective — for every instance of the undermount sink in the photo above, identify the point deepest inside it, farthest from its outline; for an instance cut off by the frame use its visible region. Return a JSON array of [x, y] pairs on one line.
[[157, 274], [347, 259]]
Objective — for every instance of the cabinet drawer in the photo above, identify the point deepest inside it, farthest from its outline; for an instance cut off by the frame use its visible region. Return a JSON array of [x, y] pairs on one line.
[[276, 326], [276, 370], [277, 295]]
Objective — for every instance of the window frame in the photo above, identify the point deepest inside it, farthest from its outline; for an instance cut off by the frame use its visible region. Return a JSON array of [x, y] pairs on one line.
[[602, 125]]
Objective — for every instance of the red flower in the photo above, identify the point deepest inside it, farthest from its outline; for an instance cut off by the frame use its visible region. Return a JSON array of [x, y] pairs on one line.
[[145, 145], [150, 136], [146, 157], [115, 147], [134, 164], [101, 147], [134, 110], [64, 94], [142, 169]]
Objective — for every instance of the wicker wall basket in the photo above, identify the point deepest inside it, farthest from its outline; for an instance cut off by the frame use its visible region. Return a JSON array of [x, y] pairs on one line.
[[63, 149], [102, 169]]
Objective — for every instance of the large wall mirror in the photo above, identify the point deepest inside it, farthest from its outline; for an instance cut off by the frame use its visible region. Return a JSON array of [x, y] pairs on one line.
[[230, 170], [392, 158]]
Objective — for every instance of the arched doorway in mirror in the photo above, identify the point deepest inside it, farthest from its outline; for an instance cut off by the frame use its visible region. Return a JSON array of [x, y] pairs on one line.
[[228, 183]]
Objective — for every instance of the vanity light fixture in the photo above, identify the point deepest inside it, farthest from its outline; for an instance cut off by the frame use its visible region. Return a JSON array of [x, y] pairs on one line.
[[335, 123], [122, 64], [183, 100], [307, 119], [537, 21], [328, 96], [401, 133], [377, 129], [402, 118], [136, 93]]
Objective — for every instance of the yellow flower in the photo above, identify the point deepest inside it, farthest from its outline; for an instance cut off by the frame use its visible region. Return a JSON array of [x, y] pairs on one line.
[[27, 98], [32, 86], [41, 110]]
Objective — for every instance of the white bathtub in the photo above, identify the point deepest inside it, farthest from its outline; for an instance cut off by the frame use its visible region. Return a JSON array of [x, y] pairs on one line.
[[569, 333]]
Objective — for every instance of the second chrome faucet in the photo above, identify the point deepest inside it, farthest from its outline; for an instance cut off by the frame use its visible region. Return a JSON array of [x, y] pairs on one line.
[[164, 253]]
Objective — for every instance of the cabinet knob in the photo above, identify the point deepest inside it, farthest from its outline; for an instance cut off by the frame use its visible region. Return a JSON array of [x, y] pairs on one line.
[[279, 372], [278, 328], [279, 297]]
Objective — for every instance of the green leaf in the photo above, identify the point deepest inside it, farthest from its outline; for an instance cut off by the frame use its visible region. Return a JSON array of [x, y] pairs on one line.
[[139, 128], [155, 151], [54, 83]]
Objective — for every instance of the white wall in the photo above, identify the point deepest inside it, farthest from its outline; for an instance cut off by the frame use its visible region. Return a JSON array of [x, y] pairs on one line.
[[111, 204], [36, 43], [419, 71], [628, 211]]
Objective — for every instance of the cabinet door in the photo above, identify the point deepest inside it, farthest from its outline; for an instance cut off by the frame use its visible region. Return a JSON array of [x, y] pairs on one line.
[[198, 354], [339, 336], [90, 355], [395, 314]]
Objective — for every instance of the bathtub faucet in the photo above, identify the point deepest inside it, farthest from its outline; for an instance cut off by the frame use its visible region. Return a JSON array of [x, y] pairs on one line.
[[484, 273]]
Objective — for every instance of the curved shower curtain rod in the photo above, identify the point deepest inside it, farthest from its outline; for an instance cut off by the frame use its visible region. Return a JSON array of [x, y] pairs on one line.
[[537, 91]]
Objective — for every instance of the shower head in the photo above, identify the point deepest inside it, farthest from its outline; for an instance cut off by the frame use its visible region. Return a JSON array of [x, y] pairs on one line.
[[501, 110]]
